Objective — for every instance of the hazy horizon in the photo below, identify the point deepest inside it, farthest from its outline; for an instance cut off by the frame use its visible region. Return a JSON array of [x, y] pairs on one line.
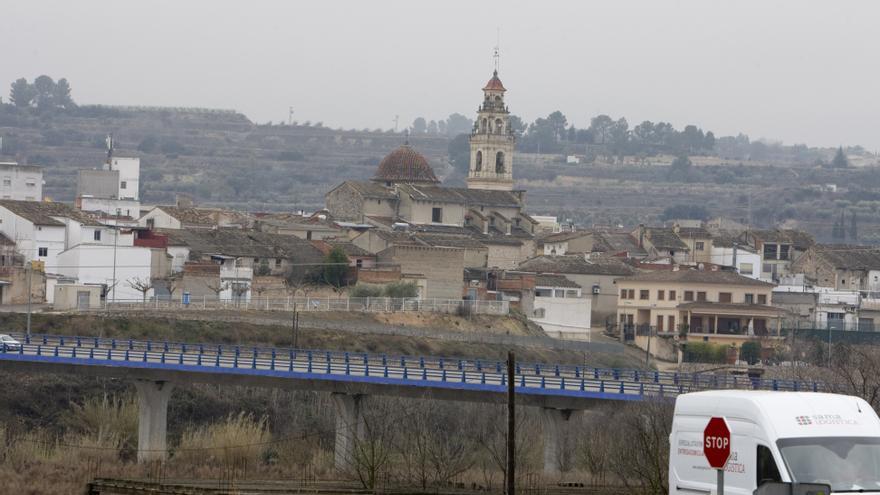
[[796, 71]]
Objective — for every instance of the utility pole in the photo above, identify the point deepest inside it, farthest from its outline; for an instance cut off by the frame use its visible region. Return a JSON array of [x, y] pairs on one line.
[[735, 268], [290, 116], [294, 327], [30, 270], [511, 424], [115, 244]]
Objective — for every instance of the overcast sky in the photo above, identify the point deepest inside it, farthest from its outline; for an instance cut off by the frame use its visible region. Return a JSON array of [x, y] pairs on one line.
[[797, 71]]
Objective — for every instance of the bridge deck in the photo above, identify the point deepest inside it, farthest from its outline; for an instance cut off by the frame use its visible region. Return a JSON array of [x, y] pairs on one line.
[[443, 378]]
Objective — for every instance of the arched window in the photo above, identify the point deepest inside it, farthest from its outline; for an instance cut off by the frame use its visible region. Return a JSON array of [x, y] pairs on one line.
[[485, 124], [499, 162], [498, 99], [479, 164], [499, 126]]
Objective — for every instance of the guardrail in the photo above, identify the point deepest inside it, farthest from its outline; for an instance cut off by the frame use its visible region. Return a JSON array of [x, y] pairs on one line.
[[355, 304], [408, 368]]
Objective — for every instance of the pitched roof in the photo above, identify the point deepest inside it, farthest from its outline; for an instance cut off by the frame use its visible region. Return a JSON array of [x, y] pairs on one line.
[[576, 265], [723, 277], [190, 216], [664, 238], [461, 195], [494, 84], [41, 213], [697, 232], [237, 242], [550, 280], [849, 257], [563, 236], [619, 242], [347, 247], [370, 190], [798, 239]]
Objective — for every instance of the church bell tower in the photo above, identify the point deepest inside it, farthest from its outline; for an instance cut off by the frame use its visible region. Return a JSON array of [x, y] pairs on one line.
[[492, 141]]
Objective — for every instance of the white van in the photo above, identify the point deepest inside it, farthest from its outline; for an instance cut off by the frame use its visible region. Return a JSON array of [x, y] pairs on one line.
[[801, 437]]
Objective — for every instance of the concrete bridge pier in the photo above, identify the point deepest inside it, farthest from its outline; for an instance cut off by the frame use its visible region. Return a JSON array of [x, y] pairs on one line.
[[152, 419], [557, 440], [349, 429]]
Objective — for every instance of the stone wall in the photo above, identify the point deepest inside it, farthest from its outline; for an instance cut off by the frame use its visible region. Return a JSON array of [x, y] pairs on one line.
[[443, 268], [344, 203]]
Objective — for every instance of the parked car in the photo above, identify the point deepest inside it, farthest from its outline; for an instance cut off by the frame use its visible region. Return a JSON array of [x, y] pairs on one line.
[[8, 343]]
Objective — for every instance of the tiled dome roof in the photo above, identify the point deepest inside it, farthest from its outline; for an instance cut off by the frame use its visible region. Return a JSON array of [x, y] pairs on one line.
[[405, 165], [494, 84]]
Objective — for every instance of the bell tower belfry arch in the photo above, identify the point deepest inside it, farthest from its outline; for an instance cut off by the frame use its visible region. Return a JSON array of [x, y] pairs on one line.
[[492, 141]]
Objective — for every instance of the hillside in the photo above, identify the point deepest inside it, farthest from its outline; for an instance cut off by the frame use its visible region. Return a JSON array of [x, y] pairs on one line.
[[222, 158]]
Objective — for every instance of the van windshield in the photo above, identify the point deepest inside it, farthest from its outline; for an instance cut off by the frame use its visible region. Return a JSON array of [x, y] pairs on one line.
[[845, 463]]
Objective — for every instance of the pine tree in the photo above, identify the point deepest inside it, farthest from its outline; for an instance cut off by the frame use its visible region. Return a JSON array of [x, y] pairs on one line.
[[840, 160]]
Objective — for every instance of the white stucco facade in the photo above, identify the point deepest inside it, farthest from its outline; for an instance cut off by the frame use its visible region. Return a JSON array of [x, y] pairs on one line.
[[21, 182], [93, 264], [748, 263]]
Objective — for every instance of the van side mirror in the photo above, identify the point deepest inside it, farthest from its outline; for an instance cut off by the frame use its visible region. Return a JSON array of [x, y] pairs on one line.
[[777, 488]]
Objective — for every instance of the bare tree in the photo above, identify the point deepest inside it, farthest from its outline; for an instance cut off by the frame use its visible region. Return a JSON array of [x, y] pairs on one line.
[[217, 287], [141, 285], [372, 452], [173, 283], [640, 457], [856, 371]]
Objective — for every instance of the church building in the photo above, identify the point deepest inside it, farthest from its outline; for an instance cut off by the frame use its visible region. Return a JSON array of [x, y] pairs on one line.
[[406, 190]]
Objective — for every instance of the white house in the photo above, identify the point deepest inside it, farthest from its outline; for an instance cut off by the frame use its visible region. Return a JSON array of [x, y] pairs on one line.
[[93, 264], [112, 190], [832, 308], [21, 182], [560, 308], [748, 262], [176, 217], [43, 230]]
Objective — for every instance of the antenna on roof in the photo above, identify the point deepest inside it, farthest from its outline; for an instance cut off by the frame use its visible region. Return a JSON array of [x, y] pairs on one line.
[[396, 119], [109, 142]]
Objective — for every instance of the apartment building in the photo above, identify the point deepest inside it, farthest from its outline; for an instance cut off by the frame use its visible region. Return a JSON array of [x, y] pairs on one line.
[[698, 304], [21, 182]]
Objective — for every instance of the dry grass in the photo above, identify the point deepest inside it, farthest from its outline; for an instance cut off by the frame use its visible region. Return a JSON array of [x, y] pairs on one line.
[[238, 440]]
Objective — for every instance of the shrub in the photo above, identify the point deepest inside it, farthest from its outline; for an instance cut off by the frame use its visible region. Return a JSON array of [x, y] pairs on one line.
[[704, 352], [750, 352], [401, 290], [365, 290]]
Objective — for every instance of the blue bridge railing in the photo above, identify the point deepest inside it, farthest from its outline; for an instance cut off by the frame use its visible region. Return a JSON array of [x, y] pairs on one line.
[[360, 366]]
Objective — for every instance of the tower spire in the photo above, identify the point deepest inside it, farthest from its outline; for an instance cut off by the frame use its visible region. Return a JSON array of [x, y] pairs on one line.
[[497, 54]]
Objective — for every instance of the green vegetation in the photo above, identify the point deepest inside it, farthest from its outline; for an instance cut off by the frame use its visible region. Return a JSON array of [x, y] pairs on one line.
[[336, 264], [704, 352], [750, 352], [396, 290]]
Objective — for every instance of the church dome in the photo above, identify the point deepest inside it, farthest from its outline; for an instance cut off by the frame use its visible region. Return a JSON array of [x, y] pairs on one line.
[[405, 165]]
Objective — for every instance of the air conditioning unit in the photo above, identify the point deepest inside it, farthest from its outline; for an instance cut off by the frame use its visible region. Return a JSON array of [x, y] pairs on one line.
[[475, 283], [596, 289]]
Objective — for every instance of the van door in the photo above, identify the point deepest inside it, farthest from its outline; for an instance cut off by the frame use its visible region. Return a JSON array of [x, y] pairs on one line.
[[690, 472]]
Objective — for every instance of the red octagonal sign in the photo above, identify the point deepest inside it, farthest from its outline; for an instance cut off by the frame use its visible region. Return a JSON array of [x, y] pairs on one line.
[[716, 442]]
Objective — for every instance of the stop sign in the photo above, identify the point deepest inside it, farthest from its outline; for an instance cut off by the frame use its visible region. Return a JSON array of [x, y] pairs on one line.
[[716, 442]]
